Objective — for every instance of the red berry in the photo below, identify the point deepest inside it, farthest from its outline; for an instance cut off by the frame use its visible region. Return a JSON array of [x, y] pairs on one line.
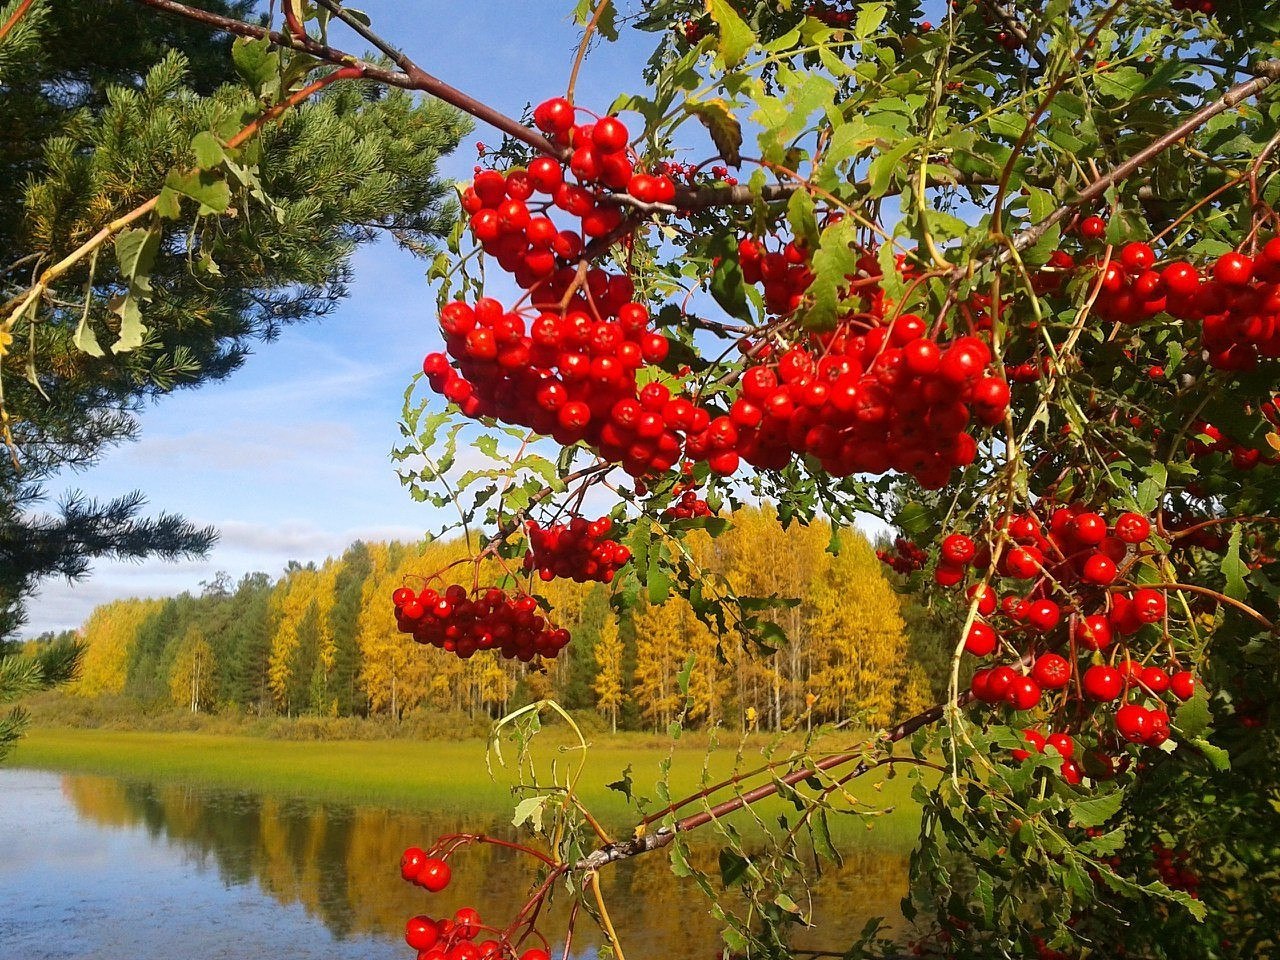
[[1132, 527], [1233, 270], [981, 640], [1100, 569], [958, 549], [1062, 744], [412, 860], [1023, 693], [1044, 615], [1093, 228], [609, 135], [434, 874], [421, 933], [1051, 671], [1132, 722], [1183, 685], [1102, 683], [1094, 632]]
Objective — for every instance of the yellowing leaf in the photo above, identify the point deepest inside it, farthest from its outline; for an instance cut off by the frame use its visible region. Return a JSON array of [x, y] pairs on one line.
[[725, 130]]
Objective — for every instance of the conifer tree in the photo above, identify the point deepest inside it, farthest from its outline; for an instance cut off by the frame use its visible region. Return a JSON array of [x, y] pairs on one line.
[[109, 105]]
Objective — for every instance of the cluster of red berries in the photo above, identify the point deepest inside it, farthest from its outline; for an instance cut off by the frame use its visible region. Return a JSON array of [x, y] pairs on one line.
[[1242, 457], [686, 505], [1077, 547], [692, 174], [451, 938], [463, 622], [1207, 7], [906, 557], [510, 212], [567, 375], [579, 550], [1171, 865], [1075, 553], [889, 398], [784, 274], [1236, 301]]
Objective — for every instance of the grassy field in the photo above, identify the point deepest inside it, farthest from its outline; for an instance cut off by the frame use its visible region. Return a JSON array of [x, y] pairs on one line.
[[444, 776]]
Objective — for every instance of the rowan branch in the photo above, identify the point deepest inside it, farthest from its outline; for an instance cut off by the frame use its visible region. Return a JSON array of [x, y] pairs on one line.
[[1267, 72], [662, 837]]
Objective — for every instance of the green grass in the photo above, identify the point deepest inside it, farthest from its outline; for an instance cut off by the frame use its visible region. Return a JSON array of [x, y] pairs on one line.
[[435, 776]]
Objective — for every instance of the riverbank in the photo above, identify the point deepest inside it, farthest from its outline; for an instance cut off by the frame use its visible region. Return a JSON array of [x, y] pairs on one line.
[[438, 775]]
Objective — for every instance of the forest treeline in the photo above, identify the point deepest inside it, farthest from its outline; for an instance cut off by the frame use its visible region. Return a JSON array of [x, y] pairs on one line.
[[322, 640]]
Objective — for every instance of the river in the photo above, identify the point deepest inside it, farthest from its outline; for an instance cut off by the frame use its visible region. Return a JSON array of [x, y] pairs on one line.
[[101, 868]]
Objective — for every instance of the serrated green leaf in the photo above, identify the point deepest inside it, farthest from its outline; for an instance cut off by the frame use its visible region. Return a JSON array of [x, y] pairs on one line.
[[733, 868], [203, 186], [1219, 758], [729, 289], [1096, 811], [801, 212], [135, 250], [736, 38], [870, 17], [1192, 718], [208, 151], [530, 811], [1233, 567], [833, 262], [258, 63]]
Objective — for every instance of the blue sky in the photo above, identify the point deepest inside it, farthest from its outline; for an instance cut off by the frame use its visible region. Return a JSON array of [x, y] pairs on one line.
[[289, 457]]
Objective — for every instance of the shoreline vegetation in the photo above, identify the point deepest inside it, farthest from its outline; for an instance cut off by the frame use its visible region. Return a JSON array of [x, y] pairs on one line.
[[448, 775]]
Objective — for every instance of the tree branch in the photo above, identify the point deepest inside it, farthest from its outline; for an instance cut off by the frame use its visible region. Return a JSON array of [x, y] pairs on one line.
[[1268, 72], [646, 842]]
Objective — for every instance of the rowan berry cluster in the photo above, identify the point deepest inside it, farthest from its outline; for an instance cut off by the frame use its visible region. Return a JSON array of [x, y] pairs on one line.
[[875, 394], [579, 550], [905, 557], [1207, 440], [463, 622], [1236, 302], [1078, 603], [1171, 865], [686, 505], [456, 937], [567, 375]]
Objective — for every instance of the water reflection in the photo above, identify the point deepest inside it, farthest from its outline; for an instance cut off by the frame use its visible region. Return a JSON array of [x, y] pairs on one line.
[[338, 864]]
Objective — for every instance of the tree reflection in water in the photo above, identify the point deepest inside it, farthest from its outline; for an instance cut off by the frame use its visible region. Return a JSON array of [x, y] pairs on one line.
[[340, 862]]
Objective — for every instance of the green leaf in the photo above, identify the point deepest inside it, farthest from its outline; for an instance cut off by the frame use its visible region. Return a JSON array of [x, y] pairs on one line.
[[725, 130], [1097, 811], [736, 37], [1219, 758], [1193, 718], [733, 868], [801, 211], [833, 262], [870, 17], [203, 186], [729, 289], [657, 575], [135, 251], [913, 519], [686, 673], [1233, 568], [258, 63], [530, 811], [208, 151], [880, 172]]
